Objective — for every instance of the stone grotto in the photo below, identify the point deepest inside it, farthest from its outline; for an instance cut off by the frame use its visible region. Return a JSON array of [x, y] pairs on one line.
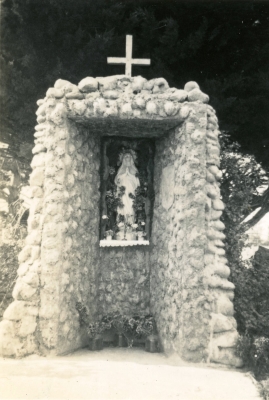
[[169, 259]]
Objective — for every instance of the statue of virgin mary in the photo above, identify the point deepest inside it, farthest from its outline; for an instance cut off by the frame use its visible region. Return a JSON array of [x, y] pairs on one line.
[[126, 177]]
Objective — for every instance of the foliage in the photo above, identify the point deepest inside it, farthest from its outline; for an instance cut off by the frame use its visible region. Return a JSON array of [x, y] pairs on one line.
[[242, 181], [135, 327], [13, 242], [202, 41], [95, 328], [242, 178], [254, 352]]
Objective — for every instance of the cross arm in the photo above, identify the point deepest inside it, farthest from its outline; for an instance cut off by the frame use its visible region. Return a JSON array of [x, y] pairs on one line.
[[116, 60]]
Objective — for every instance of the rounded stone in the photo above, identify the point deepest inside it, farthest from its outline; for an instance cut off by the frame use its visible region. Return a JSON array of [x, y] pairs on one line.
[[222, 270], [75, 95], [198, 136], [222, 323], [197, 95], [184, 112], [218, 205], [138, 83], [64, 85], [151, 108], [219, 225], [160, 85], [16, 311], [140, 103], [39, 148], [169, 108], [34, 238], [88, 85], [111, 94], [178, 95], [40, 102], [24, 254], [55, 93], [127, 110], [23, 291], [27, 326], [210, 177], [189, 86], [107, 83], [38, 160]]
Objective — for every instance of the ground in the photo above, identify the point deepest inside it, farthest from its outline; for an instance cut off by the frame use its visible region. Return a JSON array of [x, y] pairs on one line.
[[124, 374]]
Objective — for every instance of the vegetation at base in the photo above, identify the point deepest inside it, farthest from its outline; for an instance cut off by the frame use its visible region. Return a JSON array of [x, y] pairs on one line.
[[132, 327]]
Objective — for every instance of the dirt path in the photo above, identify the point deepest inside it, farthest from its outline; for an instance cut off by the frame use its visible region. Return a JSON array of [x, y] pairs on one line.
[[125, 374]]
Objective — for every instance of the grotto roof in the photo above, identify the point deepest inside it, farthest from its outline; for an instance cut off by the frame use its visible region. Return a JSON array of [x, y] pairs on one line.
[[126, 106]]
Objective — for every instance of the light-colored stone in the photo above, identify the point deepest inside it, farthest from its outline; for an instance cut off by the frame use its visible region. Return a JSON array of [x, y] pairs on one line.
[[167, 187], [197, 95], [25, 254], [34, 238], [222, 323], [126, 109], [178, 95], [111, 94], [184, 112], [218, 205], [77, 107], [56, 93], [224, 305], [38, 160], [57, 116], [23, 291], [65, 85], [37, 177], [52, 256], [107, 83], [27, 326], [189, 86], [18, 310], [138, 83], [39, 148], [226, 356], [151, 108], [160, 85], [88, 85], [198, 136], [31, 278]]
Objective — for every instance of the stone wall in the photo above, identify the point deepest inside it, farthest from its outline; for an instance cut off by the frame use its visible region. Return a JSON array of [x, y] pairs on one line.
[[178, 296], [124, 280], [223, 333], [59, 263], [190, 293]]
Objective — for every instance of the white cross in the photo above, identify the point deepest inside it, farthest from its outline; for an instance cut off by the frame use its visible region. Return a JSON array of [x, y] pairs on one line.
[[128, 60]]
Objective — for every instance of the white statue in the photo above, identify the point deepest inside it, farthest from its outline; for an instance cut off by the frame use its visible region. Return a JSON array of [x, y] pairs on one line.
[[126, 177]]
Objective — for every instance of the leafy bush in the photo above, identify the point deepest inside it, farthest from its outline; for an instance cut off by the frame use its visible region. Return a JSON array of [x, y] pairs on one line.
[[242, 178], [135, 327], [14, 234], [254, 352], [95, 328]]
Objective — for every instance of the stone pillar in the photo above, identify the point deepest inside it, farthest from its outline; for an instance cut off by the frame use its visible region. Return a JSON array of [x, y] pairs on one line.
[[59, 263], [223, 333], [190, 293]]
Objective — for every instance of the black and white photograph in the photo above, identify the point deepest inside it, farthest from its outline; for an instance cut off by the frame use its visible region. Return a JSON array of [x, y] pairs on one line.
[[134, 200]]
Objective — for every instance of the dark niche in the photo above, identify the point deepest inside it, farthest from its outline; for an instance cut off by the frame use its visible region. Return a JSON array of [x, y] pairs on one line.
[[127, 193]]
